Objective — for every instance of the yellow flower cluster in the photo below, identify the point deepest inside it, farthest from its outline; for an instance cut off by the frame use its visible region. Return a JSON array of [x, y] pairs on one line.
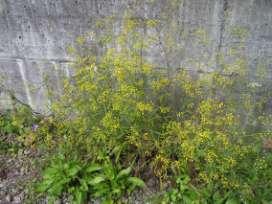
[[144, 107], [160, 84], [211, 156], [203, 136], [120, 74], [110, 123]]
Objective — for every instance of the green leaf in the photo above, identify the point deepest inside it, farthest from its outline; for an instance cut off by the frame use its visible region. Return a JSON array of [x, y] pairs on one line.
[[43, 186], [56, 189], [117, 152], [50, 172], [51, 199], [93, 168], [73, 170], [101, 190], [96, 180], [136, 182], [232, 201], [117, 191], [107, 201], [80, 197], [84, 185], [124, 173], [217, 198]]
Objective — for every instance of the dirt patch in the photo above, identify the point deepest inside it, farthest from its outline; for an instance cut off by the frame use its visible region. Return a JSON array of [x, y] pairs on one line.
[[16, 171]]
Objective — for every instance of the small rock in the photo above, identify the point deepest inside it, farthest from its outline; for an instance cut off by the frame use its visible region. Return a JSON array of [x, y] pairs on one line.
[[8, 198], [18, 198]]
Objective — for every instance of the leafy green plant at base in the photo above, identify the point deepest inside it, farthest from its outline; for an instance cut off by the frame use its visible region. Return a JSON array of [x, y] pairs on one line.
[[186, 193], [111, 185], [183, 193], [57, 179], [83, 181]]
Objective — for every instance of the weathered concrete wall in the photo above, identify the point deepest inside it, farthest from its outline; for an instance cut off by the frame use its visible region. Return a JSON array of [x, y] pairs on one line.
[[34, 35]]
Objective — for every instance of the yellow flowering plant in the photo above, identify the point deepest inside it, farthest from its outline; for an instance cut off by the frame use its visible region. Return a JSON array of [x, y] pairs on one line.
[[120, 109]]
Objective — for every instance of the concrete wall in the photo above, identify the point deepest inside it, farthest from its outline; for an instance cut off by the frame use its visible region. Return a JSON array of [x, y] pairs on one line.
[[34, 35]]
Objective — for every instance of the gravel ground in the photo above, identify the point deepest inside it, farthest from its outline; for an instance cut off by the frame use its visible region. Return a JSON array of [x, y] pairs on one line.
[[16, 171], [13, 177]]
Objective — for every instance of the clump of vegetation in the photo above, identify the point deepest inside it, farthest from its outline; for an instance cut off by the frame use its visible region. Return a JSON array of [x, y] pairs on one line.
[[208, 136], [16, 121], [89, 180], [14, 125]]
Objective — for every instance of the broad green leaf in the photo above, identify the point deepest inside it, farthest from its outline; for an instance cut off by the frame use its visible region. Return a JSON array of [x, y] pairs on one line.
[[43, 186], [84, 185], [73, 170], [56, 189], [218, 198], [96, 180], [101, 191], [232, 201], [136, 182], [50, 172], [107, 201], [124, 172], [93, 168], [80, 197], [116, 191], [51, 199]]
